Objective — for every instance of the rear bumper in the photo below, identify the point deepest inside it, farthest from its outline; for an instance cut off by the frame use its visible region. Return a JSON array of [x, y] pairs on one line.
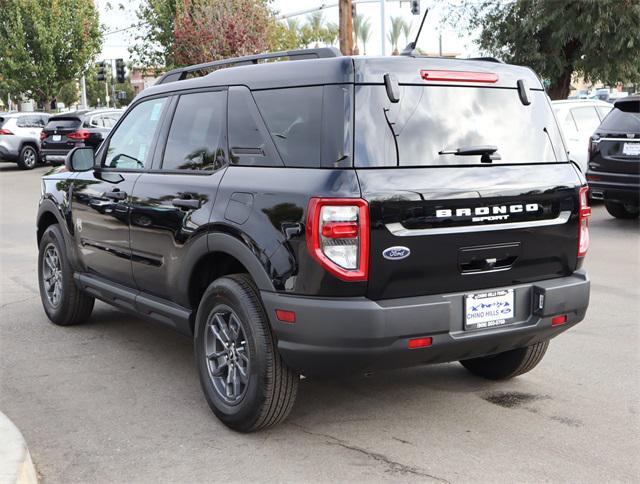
[[53, 156], [615, 187], [347, 334]]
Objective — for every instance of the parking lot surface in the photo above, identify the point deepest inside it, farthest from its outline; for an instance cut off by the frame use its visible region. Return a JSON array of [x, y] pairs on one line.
[[118, 399]]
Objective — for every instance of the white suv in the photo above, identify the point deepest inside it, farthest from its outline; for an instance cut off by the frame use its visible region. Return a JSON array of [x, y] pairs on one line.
[[578, 119], [20, 137]]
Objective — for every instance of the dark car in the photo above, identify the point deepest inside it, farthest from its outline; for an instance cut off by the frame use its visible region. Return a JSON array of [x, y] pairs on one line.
[[324, 215], [75, 129], [614, 159]]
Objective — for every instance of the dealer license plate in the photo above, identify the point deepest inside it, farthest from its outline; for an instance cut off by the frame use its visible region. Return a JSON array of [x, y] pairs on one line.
[[56, 137], [631, 149], [489, 309]]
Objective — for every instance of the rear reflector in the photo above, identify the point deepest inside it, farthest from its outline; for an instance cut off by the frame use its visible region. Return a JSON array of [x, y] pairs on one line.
[[419, 343], [459, 76], [285, 316], [557, 320]]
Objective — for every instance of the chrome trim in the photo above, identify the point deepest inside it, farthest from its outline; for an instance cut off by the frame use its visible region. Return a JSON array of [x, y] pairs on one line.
[[399, 230], [615, 139]]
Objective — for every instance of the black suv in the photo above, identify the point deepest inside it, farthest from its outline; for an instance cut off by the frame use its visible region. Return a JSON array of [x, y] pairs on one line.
[[614, 159], [75, 129], [326, 214]]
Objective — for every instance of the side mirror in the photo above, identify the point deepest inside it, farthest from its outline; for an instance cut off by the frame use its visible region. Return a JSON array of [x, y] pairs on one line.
[[80, 159]]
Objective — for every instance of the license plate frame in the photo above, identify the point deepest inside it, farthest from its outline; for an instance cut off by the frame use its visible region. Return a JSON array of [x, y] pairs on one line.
[[631, 149], [488, 310]]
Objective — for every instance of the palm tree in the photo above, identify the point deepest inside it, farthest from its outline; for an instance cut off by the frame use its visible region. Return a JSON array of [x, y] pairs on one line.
[[395, 33], [330, 33], [357, 24], [293, 24], [315, 21], [406, 30], [365, 34]]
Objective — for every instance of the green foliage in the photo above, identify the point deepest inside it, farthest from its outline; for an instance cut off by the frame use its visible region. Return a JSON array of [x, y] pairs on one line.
[[598, 40], [394, 33], [45, 45], [154, 35], [365, 34], [68, 94]]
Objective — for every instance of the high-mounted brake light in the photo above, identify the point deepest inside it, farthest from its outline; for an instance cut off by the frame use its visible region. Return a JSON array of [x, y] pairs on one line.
[[584, 214], [458, 76], [338, 236], [81, 135]]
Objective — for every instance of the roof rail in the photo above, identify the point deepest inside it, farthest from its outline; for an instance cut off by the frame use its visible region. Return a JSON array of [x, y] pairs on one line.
[[486, 59], [182, 72]]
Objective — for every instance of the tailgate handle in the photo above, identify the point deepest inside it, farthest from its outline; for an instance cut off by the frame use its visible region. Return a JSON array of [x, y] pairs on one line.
[[488, 264]]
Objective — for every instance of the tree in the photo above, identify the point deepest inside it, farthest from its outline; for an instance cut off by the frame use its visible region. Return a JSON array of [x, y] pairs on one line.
[[365, 34], [45, 45], [357, 25], [154, 33], [597, 40], [395, 33], [406, 31], [315, 21], [68, 94]]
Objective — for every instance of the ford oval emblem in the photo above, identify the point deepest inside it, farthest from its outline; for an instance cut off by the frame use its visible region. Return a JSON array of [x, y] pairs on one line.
[[396, 253]]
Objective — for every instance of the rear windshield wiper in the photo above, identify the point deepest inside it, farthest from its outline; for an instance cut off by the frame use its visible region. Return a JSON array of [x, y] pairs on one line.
[[488, 152]]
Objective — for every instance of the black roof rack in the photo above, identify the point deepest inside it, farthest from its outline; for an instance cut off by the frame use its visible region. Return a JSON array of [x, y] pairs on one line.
[[486, 59], [182, 72]]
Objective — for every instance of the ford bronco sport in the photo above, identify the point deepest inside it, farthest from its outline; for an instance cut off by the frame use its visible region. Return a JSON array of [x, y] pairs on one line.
[[326, 214]]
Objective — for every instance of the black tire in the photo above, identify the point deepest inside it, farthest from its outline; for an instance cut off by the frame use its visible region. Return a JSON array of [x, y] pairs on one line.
[[271, 387], [71, 306], [508, 364], [621, 210], [28, 157]]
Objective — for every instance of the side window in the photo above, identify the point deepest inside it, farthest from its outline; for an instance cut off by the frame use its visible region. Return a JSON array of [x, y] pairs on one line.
[[586, 119], [294, 119], [197, 134], [109, 120], [568, 124], [24, 122], [249, 141], [130, 144], [603, 111], [96, 122]]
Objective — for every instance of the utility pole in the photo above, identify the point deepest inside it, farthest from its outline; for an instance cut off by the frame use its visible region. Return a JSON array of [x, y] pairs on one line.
[[346, 27], [83, 92], [440, 43]]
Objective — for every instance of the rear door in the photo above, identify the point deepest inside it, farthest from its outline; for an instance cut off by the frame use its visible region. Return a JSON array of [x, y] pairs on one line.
[[442, 222]]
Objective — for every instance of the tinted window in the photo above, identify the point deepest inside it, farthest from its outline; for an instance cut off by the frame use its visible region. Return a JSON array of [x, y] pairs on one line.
[[62, 123], [586, 119], [249, 139], [621, 122], [110, 120], [196, 137], [603, 111], [294, 119], [130, 145], [428, 120]]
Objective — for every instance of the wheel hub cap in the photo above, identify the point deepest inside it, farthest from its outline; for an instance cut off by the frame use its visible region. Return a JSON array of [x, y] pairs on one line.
[[52, 275]]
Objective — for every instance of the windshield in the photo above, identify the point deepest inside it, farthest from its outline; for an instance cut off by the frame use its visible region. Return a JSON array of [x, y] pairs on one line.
[[453, 125]]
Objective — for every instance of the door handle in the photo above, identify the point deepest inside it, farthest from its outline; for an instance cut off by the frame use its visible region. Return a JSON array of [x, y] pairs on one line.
[[186, 203], [116, 194]]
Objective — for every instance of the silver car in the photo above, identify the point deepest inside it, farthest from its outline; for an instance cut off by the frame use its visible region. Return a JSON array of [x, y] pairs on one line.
[[20, 137]]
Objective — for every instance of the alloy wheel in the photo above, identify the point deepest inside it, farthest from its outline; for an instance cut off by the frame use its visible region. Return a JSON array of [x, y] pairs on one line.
[[52, 275], [227, 354], [29, 157]]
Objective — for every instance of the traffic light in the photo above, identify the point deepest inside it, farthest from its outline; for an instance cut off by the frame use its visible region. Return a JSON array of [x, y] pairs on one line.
[[415, 7], [102, 71], [119, 71]]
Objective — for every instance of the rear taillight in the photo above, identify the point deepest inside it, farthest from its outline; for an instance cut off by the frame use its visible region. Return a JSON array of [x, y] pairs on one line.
[[43, 135], [80, 135], [584, 214], [338, 236], [593, 144], [5, 131]]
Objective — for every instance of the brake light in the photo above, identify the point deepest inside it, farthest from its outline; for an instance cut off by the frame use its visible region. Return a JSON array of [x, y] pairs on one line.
[[458, 76], [5, 131], [43, 135], [584, 214], [338, 236], [81, 135]]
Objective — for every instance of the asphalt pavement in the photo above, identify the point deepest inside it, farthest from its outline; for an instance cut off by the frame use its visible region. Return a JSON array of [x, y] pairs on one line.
[[118, 399]]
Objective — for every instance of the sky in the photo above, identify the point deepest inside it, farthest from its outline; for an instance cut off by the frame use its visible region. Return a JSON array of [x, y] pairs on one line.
[[115, 18]]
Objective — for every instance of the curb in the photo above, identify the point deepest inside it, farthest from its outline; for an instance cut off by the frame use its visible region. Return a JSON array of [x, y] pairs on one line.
[[16, 466]]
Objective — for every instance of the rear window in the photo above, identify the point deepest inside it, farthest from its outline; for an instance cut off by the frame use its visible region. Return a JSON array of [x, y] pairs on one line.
[[429, 120], [622, 121], [62, 123]]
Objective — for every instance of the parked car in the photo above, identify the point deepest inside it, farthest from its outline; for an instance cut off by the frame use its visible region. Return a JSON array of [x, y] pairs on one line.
[[74, 129], [578, 120], [614, 159], [324, 215], [20, 137]]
